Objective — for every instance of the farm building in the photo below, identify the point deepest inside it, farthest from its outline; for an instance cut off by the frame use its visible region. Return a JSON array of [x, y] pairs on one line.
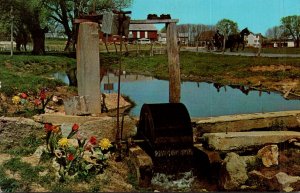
[[137, 31]]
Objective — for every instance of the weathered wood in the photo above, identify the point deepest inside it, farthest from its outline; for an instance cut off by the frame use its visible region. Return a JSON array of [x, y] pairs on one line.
[[154, 21], [88, 65], [174, 66], [142, 21]]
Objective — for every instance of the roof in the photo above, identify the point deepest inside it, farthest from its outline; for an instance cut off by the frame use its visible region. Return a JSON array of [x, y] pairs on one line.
[[142, 27]]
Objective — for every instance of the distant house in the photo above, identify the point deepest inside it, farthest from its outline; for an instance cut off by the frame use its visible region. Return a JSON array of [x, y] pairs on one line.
[[286, 42], [253, 40], [137, 31], [162, 38], [183, 38]]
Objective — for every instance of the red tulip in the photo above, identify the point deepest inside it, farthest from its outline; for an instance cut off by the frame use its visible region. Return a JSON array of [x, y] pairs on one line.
[[43, 95], [70, 157], [37, 102], [75, 127], [23, 95], [93, 140], [48, 127]]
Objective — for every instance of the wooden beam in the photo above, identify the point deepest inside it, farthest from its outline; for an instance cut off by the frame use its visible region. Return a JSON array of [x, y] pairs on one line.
[[153, 21], [143, 21], [174, 66]]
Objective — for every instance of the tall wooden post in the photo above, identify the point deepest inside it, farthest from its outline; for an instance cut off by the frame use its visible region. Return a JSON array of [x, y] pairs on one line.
[[260, 44], [88, 65], [174, 66]]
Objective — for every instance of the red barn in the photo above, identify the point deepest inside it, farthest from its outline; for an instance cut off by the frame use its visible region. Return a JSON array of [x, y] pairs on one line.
[[137, 31]]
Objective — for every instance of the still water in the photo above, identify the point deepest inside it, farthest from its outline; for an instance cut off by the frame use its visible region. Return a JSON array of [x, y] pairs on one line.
[[201, 99]]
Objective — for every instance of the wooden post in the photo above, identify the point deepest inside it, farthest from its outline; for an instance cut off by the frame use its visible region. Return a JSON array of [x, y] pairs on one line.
[[260, 42], [88, 65], [174, 66]]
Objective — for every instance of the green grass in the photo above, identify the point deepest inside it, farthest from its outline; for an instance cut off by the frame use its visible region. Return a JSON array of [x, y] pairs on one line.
[[26, 73], [206, 66], [273, 50], [27, 146], [28, 174]]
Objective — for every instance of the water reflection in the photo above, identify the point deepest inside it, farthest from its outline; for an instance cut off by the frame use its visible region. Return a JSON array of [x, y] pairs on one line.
[[201, 99]]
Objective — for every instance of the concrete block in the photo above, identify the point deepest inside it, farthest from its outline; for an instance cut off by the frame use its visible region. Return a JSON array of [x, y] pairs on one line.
[[243, 140], [78, 105], [246, 122]]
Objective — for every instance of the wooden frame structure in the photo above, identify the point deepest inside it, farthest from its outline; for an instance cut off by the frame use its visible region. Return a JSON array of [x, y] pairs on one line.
[[172, 50]]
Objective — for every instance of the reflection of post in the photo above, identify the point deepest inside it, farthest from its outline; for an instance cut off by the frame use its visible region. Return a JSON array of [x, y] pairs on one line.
[[88, 66], [174, 66]]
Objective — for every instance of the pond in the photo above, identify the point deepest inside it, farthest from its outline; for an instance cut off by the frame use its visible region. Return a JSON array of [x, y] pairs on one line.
[[201, 99]]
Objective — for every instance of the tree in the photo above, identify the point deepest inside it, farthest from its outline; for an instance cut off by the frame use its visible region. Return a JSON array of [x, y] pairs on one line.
[[275, 32], [291, 26], [32, 15], [226, 27], [65, 11]]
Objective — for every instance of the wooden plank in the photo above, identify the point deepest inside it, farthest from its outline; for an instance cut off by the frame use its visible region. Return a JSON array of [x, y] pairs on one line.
[[154, 21], [143, 21], [174, 66]]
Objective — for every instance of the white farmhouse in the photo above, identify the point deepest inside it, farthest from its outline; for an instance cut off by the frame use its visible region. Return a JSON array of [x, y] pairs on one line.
[[253, 40]]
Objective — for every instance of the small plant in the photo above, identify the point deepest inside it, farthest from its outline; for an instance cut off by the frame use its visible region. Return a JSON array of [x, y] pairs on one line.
[[41, 101], [38, 103], [77, 157]]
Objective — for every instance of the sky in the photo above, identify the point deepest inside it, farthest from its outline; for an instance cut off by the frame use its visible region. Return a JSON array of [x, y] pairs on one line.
[[257, 15]]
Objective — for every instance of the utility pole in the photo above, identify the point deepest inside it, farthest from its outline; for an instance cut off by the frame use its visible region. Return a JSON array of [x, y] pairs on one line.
[[11, 31]]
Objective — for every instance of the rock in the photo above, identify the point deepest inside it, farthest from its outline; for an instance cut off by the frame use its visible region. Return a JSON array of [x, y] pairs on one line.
[[111, 101], [285, 181], [297, 144], [105, 127], [262, 181], [250, 160], [279, 182], [77, 105], [246, 140], [233, 172], [143, 165], [269, 155], [12, 129]]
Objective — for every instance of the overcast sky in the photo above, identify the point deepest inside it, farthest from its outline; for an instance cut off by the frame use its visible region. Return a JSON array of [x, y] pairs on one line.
[[257, 15]]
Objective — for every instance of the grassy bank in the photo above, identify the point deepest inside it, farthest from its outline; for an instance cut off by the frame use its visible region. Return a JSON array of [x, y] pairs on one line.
[[211, 67], [26, 73]]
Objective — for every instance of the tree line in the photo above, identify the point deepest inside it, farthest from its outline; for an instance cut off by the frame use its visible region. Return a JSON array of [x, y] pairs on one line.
[[289, 28]]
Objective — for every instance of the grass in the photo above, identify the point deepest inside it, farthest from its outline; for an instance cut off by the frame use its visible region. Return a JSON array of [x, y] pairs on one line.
[[30, 73], [26, 73], [206, 66], [27, 146], [28, 174]]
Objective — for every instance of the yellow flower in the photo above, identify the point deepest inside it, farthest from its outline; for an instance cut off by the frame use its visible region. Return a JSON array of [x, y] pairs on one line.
[[63, 142], [16, 100], [104, 144]]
